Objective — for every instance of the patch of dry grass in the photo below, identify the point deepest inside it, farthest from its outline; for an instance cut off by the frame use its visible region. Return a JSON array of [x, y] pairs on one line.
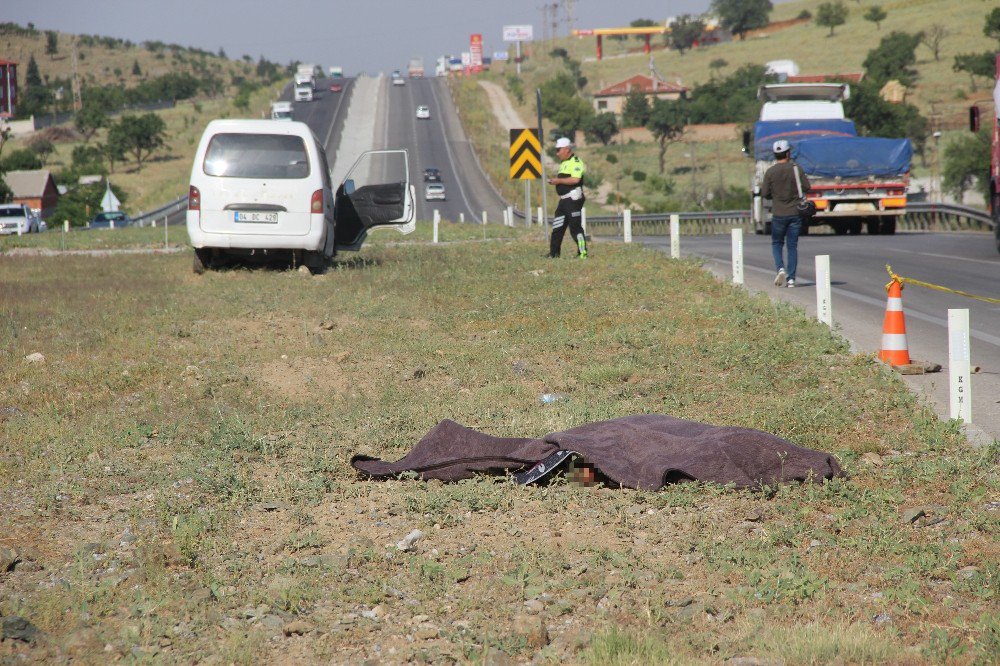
[[175, 476]]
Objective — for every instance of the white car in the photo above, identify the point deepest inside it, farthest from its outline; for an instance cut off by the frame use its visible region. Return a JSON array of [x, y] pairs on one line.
[[260, 190], [398, 81], [17, 218], [434, 191], [423, 112], [303, 92]]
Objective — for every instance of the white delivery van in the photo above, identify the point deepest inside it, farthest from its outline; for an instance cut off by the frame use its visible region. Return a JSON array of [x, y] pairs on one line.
[[281, 111], [261, 192]]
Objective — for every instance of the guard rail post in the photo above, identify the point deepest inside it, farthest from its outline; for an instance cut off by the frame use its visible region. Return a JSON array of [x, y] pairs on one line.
[[675, 236], [824, 305]]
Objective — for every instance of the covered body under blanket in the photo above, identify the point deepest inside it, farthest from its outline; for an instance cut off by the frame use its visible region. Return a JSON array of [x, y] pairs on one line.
[[643, 451]]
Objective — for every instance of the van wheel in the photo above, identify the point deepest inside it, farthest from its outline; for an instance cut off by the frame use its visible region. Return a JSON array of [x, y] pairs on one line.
[[202, 260], [316, 262]]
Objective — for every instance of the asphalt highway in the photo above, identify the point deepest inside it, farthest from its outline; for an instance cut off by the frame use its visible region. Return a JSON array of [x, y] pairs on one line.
[[964, 261]]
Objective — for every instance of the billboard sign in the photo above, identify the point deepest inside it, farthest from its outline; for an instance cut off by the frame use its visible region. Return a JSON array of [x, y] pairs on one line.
[[476, 53], [500, 55], [517, 33]]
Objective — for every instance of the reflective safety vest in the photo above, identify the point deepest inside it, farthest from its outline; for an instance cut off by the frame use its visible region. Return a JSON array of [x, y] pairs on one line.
[[573, 167]]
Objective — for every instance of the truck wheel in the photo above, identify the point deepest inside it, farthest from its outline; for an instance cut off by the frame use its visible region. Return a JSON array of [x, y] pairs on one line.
[[873, 226], [805, 229], [888, 226], [839, 228], [854, 228]]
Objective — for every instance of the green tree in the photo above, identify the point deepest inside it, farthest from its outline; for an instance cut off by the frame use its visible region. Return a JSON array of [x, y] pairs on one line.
[[729, 100], [874, 116], [601, 127], [685, 31], [136, 70], [21, 160], [740, 16], [991, 27], [51, 42], [831, 14], [562, 105], [966, 163], [892, 59], [716, 66], [6, 195], [79, 204], [667, 120], [113, 150], [139, 136], [876, 15], [635, 112], [90, 118], [976, 64], [32, 77], [41, 147]]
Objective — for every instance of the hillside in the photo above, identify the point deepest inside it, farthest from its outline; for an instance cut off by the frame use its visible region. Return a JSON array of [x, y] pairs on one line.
[[698, 163], [105, 62]]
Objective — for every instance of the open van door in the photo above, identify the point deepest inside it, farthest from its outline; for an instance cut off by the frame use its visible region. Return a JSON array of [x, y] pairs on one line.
[[375, 194]]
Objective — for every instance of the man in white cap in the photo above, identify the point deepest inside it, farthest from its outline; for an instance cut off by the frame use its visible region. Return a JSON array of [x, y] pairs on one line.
[[781, 188], [569, 187]]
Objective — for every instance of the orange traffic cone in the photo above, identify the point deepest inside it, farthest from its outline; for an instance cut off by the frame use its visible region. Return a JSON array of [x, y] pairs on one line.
[[894, 349]]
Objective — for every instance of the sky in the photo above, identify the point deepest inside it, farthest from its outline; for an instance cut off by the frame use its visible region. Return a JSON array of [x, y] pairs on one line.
[[359, 35]]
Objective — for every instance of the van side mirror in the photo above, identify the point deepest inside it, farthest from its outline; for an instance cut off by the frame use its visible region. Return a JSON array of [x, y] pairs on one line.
[[349, 186], [746, 141], [973, 118]]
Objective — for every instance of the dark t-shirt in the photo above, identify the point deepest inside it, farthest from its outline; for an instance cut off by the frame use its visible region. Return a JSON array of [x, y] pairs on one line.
[[779, 187]]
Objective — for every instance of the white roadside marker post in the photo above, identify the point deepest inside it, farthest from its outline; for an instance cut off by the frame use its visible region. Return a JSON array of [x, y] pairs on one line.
[[461, 218], [538, 216], [484, 218], [627, 224], [675, 236], [959, 365], [510, 216], [824, 301], [583, 221], [437, 221], [738, 256]]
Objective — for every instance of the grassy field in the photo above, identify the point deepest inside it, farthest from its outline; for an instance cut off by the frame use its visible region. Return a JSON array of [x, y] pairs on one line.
[[175, 486]]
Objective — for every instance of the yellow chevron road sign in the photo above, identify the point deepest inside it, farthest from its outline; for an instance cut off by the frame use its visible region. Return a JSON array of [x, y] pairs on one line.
[[525, 154]]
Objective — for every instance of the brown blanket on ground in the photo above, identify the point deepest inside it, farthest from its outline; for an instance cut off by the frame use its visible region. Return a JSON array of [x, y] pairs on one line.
[[644, 451]]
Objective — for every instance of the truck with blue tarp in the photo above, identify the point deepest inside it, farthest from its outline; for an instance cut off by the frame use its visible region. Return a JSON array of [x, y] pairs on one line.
[[857, 182]]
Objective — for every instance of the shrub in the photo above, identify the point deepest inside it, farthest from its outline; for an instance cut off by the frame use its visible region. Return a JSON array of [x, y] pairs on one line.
[[611, 158], [638, 176]]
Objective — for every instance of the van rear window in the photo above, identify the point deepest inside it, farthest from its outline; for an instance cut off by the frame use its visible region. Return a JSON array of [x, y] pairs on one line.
[[11, 212], [256, 156]]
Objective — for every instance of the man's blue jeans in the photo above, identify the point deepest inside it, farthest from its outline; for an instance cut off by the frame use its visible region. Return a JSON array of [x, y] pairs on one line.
[[786, 227]]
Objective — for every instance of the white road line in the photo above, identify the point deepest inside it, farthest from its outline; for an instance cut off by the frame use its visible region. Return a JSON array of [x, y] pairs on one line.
[[909, 312], [948, 256], [451, 157]]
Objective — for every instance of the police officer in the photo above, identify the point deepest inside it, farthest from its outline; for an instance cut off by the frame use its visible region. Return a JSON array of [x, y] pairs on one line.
[[569, 187]]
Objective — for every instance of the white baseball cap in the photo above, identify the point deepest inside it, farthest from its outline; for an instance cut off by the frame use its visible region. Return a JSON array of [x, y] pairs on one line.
[[781, 146], [563, 142]]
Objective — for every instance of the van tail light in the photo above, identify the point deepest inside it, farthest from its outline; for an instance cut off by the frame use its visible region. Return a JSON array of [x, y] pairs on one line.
[[194, 198], [316, 204]]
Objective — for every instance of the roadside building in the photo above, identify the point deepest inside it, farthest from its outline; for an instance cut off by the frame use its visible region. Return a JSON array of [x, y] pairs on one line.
[[612, 99], [36, 188]]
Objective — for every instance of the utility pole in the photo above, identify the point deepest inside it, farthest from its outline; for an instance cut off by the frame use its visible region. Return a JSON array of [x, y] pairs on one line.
[[77, 97]]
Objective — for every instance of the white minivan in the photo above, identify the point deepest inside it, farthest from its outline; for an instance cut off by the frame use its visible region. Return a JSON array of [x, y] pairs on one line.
[[261, 192]]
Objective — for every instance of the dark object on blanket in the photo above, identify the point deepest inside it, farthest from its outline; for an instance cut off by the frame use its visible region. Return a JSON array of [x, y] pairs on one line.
[[645, 451]]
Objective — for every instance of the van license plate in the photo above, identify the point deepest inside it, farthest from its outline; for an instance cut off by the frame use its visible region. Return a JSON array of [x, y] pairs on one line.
[[257, 218]]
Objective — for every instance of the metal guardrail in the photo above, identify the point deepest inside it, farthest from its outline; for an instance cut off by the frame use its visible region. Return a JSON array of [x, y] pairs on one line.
[[144, 219], [927, 215], [920, 216]]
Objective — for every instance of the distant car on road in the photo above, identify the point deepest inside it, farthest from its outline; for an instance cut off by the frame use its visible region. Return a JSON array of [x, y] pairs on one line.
[[104, 220], [398, 81], [434, 191], [17, 217], [423, 112], [432, 175], [336, 87]]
